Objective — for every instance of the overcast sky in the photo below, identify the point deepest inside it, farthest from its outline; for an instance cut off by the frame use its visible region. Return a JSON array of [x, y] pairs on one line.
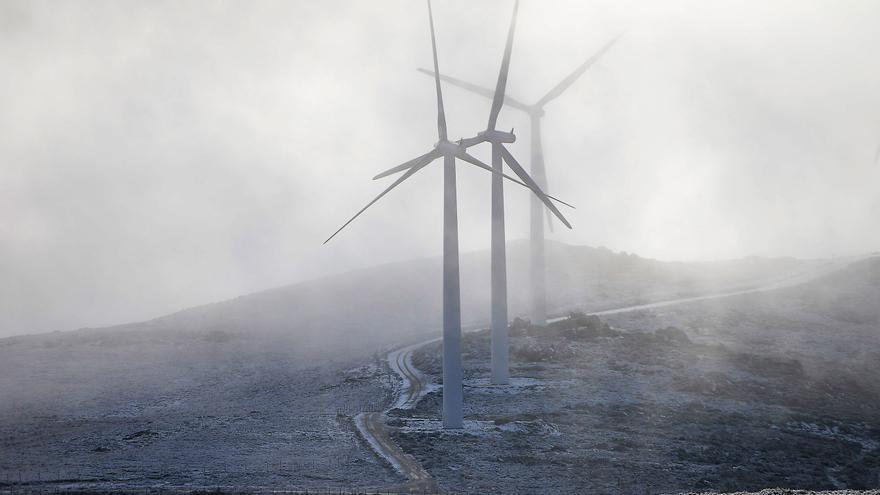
[[158, 155]]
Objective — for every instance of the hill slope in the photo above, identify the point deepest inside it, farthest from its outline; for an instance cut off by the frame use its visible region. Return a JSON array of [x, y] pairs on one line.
[[753, 390], [266, 373], [379, 306]]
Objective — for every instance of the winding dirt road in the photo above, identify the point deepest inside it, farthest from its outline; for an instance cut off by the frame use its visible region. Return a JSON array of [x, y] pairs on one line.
[[374, 430]]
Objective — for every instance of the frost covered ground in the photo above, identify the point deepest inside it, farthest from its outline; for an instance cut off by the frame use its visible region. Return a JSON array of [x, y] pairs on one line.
[[259, 392], [762, 390], [182, 412]]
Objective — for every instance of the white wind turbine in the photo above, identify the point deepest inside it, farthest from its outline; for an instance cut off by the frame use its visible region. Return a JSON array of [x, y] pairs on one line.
[[450, 151]]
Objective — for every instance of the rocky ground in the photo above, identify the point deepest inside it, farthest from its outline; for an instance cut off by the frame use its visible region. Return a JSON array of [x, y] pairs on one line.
[[596, 409]]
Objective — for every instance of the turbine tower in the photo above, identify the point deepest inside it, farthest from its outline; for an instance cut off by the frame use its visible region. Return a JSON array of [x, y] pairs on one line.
[[500, 341], [452, 371], [535, 112], [500, 346]]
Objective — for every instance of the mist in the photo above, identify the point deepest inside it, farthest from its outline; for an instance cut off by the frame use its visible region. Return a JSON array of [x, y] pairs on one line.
[[155, 156]]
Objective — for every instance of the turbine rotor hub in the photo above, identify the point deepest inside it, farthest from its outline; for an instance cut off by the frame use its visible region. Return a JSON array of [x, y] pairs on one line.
[[447, 147]]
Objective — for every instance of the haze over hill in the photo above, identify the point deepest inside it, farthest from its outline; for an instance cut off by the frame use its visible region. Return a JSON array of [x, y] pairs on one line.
[[343, 317], [381, 305]]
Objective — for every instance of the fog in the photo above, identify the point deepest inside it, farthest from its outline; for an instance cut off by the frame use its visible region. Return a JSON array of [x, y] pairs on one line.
[[155, 156]]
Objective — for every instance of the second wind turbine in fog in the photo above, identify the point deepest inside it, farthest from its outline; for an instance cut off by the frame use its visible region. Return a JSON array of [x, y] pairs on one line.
[[452, 368], [500, 346]]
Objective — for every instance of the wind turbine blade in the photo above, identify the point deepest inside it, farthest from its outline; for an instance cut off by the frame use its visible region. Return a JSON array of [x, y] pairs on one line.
[[402, 178], [498, 97], [441, 115], [568, 81], [464, 155], [518, 170], [431, 155], [473, 161], [480, 90]]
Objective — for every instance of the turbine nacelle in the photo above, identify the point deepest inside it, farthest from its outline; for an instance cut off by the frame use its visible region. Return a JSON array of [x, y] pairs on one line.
[[494, 136], [487, 136]]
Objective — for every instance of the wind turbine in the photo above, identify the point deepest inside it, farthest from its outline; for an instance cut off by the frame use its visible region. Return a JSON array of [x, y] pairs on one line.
[[452, 371], [535, 112], [500, 368]]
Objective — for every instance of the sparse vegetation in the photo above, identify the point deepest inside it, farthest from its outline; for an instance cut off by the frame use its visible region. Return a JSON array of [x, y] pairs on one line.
[[668, 406]]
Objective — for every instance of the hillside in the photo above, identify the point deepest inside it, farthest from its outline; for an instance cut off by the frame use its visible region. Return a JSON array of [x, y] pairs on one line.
[[267, 373], [771, 389], [381, 305]]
